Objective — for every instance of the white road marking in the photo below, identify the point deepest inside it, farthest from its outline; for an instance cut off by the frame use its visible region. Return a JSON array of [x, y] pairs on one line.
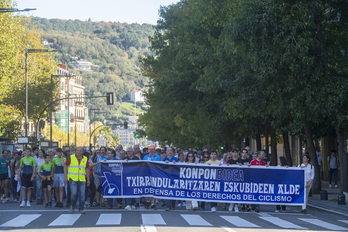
[[148, 228], [239, 222], [323, 224], [344, 221], [282, 223], [21, 220], [228, 229], [152, 219], [195, 220], [331, 211], [262, 214], [65, 220], [109, 219]]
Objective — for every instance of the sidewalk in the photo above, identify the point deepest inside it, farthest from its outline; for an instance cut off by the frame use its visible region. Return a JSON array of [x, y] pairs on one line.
[[331, 204]]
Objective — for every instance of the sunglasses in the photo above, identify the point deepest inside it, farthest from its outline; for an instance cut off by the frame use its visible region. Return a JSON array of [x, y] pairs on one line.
[[190, 156], [206, 157]]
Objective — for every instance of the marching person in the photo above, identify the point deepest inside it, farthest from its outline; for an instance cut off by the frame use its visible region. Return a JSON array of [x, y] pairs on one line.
[[152, 156], [309, 176], [26, 178], [257, 162], [46, 179], [213, 160], [170, 204], [58, 180], [281, 163], [4, 178], [75, 171], [190, 159]]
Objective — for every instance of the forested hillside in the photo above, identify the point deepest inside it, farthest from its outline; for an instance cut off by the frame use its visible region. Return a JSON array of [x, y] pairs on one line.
[[113, 49]]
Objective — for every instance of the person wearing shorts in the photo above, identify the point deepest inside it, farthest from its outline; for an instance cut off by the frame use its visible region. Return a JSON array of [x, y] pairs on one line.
[[25, 176], [46, 173], [58, 176], [4, 178]]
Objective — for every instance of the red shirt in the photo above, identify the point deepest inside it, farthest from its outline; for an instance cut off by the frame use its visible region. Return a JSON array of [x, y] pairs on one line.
[[258, 162]]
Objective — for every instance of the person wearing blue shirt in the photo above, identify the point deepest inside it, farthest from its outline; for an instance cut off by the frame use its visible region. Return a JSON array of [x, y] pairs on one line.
[[129, 201], [170, 158], [97, 176], [112, 202], [151, 157]]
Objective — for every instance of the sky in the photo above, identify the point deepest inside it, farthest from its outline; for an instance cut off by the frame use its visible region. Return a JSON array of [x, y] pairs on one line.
[[124, 11]]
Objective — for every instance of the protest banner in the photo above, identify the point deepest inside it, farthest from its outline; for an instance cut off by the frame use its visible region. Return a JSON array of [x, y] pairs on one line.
[[202, 182]]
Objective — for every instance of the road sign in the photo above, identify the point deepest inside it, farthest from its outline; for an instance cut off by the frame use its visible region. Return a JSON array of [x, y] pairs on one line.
[[22, 140], [102, 142]]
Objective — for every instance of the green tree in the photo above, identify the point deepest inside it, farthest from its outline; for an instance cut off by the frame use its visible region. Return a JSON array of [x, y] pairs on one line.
[[17, 35]]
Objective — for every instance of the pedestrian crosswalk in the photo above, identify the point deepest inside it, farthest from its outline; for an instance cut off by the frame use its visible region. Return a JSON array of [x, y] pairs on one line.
[[326, 225], [149, 221], [65, 220], [239, 222]]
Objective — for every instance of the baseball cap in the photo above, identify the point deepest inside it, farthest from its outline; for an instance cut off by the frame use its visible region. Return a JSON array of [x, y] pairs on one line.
[[152, 147]]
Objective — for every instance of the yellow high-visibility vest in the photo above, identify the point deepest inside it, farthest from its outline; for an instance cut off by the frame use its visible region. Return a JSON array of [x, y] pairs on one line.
[[76, 170]]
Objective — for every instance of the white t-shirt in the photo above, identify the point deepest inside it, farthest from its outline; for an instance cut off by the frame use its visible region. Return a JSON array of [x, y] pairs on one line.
[[309, 171], [38, 163]]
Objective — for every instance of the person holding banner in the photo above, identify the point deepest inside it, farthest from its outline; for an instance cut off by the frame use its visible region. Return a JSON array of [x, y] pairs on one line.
[[170, 204], [234, 161], [129, 201], [309, 176], [257, 162], [112, 202], [190, 159], [213, 160], [152, 156], [281, 163]]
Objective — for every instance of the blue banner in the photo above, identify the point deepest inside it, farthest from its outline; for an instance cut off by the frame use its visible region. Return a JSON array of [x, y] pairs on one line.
[[202, 182]]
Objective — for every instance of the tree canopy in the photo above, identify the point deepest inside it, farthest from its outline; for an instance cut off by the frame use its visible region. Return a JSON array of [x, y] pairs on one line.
[[227, 70]]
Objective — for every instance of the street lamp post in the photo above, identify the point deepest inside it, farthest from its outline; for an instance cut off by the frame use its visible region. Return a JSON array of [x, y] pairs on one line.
[[10, 10], [26, 81]]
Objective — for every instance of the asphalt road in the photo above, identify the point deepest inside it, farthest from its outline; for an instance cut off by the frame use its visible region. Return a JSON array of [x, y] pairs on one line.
[[37, 218]]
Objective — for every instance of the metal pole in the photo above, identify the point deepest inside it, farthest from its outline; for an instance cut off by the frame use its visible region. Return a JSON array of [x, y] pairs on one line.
[[94, 127], [50, 145], [26, 93], [68, 119], [75, 123], [90, 129]]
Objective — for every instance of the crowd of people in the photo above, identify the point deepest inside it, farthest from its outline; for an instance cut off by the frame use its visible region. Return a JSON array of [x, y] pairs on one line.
[[75, 175]]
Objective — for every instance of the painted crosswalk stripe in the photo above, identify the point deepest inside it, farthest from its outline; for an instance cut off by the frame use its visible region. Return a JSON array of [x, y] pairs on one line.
[[344, 221], [323, 224], [21, 220], [109, 219], [282, 223], [239, 222], [148, 228], [153, 219], [195, 220], [65, 220]]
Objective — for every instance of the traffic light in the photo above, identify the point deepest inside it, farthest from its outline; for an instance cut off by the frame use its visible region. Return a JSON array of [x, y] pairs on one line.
[[125, 125], [221, 148], [109, 98]]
